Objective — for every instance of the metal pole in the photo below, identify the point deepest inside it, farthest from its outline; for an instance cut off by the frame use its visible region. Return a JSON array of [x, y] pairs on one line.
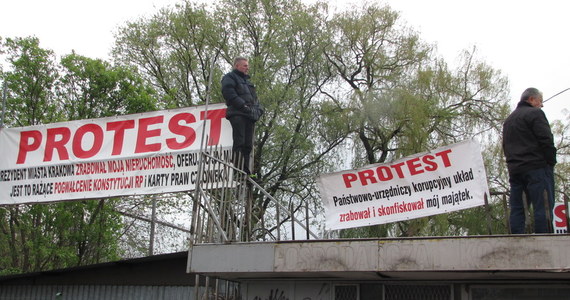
[[194, 221], [556, 95], [527, 218], [507, 214], [4, 95], [292, 220], [548, 211], [201, 161], [216, 289], [206, 288], [152, 227], [567, 213], [488, 213], [307, 218], [208, 96], [197, 287]]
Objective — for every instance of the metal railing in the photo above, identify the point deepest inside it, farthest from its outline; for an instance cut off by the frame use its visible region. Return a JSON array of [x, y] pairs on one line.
[[230, 206], [207, 288]]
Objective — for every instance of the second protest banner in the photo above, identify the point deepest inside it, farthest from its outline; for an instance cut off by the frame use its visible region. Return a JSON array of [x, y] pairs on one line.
[[446, 179]]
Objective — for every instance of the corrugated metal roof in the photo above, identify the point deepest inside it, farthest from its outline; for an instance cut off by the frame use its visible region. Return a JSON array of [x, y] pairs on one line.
[[165, 269], [92, 292]]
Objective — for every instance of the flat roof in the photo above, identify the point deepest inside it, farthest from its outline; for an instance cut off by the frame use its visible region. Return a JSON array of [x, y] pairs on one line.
[[453, 259], [426, 258]]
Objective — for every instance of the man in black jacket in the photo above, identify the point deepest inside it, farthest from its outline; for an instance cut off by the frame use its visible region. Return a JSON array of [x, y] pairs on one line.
[[529, 150], [243, 110]]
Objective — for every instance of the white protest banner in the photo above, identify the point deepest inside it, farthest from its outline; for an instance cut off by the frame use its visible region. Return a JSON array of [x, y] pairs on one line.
[[447, 179], [148, 153]]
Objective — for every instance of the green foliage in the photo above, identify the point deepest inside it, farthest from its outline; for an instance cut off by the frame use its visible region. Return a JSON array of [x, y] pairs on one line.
[[405, 101], [59, 235], [94, 89], [32, 78], [340, 90], [39, 90], [561, 132], [174, 51]]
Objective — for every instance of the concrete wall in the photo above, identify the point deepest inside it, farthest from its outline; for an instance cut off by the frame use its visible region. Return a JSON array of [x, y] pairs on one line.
[[534, 253]]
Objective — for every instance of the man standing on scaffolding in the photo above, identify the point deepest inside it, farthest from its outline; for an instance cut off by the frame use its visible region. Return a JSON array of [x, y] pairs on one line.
[[242, 112]]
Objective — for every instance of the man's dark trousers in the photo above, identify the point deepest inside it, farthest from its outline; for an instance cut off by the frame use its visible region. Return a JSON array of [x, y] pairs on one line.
[[242, 128], [533, 183]]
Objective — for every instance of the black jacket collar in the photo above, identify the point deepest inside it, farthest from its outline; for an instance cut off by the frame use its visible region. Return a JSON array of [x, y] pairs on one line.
[[523, 103], [240, 74]]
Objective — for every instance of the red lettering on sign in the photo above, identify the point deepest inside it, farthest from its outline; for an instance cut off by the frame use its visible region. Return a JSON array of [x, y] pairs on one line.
[[215, 116], [53, 143], [413, 166], [444, 157], [367, 176], [348, 179], [29, 141], [384, 173], [560, 214], [144, 133], [398, 168], [119, 127], [77, 146], [430, 164], [147, 135], [187, 132]]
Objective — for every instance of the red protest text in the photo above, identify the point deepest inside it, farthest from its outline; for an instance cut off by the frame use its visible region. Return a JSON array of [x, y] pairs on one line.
[[89, 140], [410, 167]]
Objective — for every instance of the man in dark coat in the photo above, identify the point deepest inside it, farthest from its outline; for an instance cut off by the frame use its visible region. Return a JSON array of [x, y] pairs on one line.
[[529, 150], [243, 110]]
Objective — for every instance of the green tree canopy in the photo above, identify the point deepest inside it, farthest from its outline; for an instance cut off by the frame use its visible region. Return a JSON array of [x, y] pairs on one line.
[[41, 90], [340, 90], [30, 82]]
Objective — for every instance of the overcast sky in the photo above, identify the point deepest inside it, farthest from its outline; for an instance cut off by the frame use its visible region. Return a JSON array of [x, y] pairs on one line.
[[526, 40]]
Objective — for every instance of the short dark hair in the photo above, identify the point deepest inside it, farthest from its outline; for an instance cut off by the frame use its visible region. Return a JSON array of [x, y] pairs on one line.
[[530, 92]]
